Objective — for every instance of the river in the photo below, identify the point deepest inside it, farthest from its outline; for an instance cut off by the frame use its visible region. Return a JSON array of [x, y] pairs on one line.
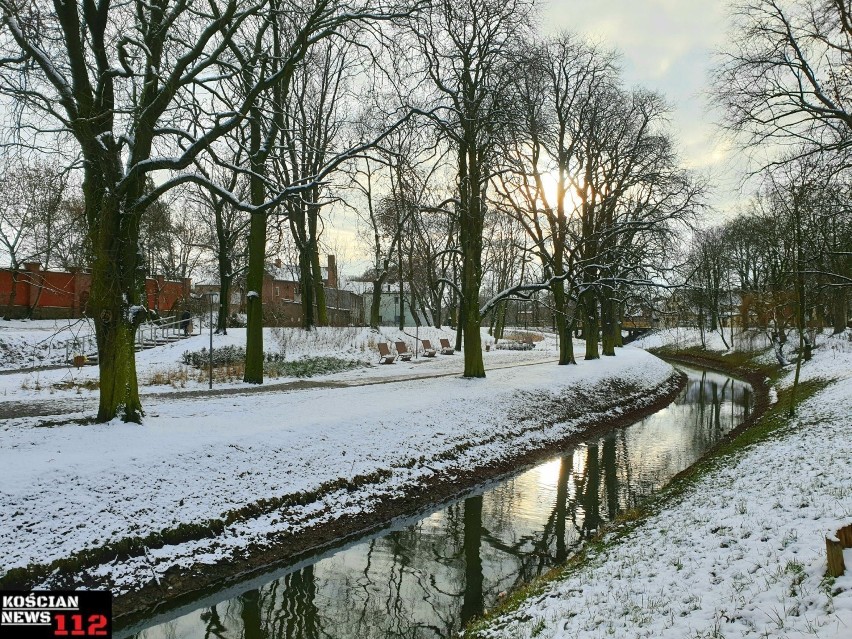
[[426, 576]]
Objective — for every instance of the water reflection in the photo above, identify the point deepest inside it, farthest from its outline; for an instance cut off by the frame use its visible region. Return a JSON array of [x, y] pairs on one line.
[[426, 579]]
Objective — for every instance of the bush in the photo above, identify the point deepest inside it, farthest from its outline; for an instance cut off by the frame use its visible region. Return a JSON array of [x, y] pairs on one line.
[[309, 366], [221, 356], [274, 363]]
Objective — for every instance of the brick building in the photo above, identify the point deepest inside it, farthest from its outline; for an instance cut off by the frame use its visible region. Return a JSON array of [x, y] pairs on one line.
[[62, 295], [282, 297]]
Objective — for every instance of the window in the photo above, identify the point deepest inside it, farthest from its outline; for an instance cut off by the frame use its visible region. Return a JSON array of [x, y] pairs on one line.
[[277, 292]]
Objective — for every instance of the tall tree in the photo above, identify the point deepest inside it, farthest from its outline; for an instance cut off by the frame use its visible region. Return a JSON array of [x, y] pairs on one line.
[[314, 114], [551, 95], [117, 80], [466, 46], [225, 237]]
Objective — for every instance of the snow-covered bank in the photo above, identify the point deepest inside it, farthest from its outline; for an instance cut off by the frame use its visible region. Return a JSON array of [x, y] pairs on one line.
[[742, 552], [70, 488]]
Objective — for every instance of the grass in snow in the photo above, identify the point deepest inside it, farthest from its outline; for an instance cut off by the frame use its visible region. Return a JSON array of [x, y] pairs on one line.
[[774, 422]]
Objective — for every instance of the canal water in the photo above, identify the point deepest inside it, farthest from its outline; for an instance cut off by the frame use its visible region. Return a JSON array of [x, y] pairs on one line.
[[425, 577]]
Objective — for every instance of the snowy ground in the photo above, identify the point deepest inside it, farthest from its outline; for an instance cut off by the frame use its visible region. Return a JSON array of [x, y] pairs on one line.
[[69, 487], [160, 369], [743, 552], [33, 343]]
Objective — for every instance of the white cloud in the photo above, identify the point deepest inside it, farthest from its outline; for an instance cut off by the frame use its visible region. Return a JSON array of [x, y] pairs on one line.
[[667, 46]]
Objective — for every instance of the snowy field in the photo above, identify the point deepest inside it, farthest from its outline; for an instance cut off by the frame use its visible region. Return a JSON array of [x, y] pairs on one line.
[[743, 552], [69, 487], [161, 370]]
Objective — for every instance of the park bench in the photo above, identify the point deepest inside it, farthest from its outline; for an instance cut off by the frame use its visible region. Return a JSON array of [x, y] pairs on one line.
[[428, 351], [402, 351], [385, 355], [446, 349]]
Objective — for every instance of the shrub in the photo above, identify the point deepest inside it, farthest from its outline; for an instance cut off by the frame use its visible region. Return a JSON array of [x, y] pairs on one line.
[[274, 364]]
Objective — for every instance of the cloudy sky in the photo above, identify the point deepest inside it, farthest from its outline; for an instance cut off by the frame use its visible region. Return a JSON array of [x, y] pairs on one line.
[[667, 46]]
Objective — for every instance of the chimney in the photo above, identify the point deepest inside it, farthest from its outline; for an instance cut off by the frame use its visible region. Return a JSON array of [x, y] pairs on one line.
[[277, 262], [332, 272]]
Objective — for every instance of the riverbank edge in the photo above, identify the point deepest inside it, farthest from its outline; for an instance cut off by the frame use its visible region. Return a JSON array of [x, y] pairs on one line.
[[761, 424], [179, 586]]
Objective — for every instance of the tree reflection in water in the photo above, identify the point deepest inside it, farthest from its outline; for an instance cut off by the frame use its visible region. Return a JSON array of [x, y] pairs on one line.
[[427, 579]]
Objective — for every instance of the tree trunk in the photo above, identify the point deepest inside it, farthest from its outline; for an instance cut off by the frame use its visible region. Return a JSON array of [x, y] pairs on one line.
[[401, 307], [40, 286], [563, 325], [474, 366], [316, 270], [375, 302], [591, 326], [254, 303], [115, 302], [471, 222], [839, 305], [619, 325], [460, 315], [224, 295], [12, 295], [607, 324], [502, 309], [306, 282]]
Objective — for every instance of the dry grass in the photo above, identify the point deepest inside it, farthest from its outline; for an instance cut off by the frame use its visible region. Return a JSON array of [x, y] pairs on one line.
[[78, 385]]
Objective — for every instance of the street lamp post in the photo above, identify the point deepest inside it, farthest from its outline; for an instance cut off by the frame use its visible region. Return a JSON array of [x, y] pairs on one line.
[[214, 299]]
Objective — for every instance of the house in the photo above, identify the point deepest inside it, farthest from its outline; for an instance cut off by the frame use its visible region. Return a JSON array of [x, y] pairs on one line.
[[389, 307], [282, 296]]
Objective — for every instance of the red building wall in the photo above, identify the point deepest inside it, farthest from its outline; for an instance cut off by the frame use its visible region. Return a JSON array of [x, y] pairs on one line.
[[57, 294]]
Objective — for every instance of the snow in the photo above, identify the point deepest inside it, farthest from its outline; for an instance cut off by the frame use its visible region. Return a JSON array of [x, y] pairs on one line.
[[160, 370], [686, 337], [742, 553], [29, 343], [70, 487]]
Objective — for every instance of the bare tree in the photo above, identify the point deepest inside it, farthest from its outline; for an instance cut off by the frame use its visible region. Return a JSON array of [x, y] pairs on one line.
[[466, 46], [116, 80], [225, 236], [31, 222], [314, 113], [784, 76], [552, 93]]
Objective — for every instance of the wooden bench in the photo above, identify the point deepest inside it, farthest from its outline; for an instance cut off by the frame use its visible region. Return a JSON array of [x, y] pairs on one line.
[[446, 349], [402, 351], [428, 351], [385, 355]]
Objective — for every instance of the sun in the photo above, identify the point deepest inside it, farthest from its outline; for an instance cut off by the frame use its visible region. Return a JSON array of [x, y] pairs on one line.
[[549, 182]]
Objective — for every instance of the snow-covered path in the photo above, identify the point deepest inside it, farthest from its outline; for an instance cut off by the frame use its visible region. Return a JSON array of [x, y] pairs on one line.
[[75, 407], [73, 487]]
